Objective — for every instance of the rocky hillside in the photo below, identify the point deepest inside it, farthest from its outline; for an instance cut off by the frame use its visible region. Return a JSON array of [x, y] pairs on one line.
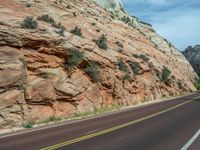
[[193, 55], [58, 57]]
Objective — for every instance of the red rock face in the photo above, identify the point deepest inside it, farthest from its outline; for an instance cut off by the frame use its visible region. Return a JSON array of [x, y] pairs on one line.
[[37, 83]]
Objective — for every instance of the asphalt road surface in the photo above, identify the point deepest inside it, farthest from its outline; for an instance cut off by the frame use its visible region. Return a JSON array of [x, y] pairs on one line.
[[168, 125]]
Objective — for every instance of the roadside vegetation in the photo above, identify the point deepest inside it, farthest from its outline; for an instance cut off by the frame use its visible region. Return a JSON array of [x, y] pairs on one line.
[[197, 84], [96, 111]]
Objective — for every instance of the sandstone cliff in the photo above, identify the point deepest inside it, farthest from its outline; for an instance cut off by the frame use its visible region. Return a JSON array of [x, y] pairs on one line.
[[74, 56], [193, 55]]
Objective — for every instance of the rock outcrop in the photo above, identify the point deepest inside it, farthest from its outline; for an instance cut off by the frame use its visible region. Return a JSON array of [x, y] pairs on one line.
[[116, 59], [193, 56], [111, 5]]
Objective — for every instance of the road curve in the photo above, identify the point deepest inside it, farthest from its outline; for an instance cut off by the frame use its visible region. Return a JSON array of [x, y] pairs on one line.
[[168, 125]]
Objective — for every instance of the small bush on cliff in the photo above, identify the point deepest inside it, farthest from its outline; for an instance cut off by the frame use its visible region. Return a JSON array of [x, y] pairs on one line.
[[135, 67], [144, 57], [46, 18], [197, 84], [122, 66], [29, 124], [92, 70], [29, 23], [141, 56], [77, 31], [75, 57], [165, 74], [102, 42]]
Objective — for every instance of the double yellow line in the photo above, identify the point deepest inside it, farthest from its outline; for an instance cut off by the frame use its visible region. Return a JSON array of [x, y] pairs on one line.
[[85, 137]]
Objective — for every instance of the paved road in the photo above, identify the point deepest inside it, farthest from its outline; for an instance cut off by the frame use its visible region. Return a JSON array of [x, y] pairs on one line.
[[170, 125]]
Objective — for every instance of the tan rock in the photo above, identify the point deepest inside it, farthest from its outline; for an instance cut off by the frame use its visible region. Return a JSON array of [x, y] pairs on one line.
[[36, 83]]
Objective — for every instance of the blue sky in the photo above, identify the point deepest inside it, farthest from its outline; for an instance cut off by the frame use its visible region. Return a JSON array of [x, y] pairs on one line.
[[176, 20]]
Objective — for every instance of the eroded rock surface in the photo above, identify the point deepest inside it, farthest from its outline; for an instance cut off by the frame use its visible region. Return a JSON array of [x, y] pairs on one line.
[[37, 83]]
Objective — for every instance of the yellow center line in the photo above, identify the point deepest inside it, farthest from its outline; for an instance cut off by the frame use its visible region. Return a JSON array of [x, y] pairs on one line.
[[85, 137]]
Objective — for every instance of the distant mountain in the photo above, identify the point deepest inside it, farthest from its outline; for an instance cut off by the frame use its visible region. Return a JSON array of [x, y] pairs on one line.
[[193, 55]]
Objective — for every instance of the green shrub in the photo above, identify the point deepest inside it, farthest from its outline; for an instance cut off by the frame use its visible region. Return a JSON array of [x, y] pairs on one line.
[[93, 24], [46, 18], [92, 70], [29, 23], [135, 55], [102, 42], [122, 66], [197, 85], [135, 67], [77, 31], [75, 57], [51, 119], [144, 57], [165, 74], [141, 56], [29, 124], [28, 5]]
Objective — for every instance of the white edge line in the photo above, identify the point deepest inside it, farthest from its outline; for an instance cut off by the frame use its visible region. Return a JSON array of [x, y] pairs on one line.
[[189, 143]]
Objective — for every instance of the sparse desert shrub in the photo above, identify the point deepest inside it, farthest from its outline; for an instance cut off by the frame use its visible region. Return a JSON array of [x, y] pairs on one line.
[[144, 57], [102, 42], [28, 5], [92, 70], [165, 74], [93, 24], [97, 30], [141, 56], [135, 67], [77, 31], [51, 119], [29, 23], [125, 19], [122, 66], [29, 124], [68, 7], [46, 18], [197, 84], [135, 55], [75, 57]]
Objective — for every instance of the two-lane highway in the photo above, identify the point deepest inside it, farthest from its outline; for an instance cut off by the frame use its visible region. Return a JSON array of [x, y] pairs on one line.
[[169, 125]]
